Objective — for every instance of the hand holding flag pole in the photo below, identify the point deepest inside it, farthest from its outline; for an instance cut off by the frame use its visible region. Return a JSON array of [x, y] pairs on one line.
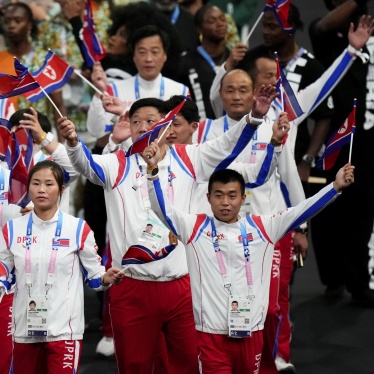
[[337, 140], [151, 135]]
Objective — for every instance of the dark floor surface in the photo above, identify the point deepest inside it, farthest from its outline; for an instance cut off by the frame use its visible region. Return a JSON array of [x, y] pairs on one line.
[[329, 337]]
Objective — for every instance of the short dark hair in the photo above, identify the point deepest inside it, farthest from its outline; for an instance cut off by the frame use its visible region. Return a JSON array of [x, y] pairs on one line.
[[19, 115], [199, 15], [148, 101], [48, 164], [249, 62], [189, 111], [226, 176], [294, 17], [29, 14], [32, 302], [148, 31]]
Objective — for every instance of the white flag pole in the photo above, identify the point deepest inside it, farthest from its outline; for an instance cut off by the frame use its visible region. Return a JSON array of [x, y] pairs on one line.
[[87, 81], [351, 143], [49, 98], [253, 28]]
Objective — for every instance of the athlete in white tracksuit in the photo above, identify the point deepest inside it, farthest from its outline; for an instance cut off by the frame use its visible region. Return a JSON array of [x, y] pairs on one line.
[[129, 90], [128, 208], [212, 283]]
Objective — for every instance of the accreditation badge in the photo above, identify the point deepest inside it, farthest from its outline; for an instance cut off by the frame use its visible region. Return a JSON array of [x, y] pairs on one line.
[[239, 316], [37, 316], [153, 233]]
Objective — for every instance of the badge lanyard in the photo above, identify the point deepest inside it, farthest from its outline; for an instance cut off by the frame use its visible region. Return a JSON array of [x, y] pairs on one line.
[[221, 264], [3, 194], [144, 188], [225, 124], [52, 261], [137, 92], [175, 15], [207, 57]]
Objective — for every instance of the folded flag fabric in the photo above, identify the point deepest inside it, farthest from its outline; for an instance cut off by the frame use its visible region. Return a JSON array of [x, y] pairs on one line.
[[152, 134], [53, 75], [18, 170], [92, 48], [14, 85], [337, 140], [5, 128], [138, 254], [281, 9], [286, 96]]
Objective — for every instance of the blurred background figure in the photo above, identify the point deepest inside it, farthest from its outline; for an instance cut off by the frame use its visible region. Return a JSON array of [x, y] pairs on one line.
[[198, 67], [343, 260]]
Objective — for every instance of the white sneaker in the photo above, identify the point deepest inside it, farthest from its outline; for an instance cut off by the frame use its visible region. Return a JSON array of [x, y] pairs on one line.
[[283, 366], [105, 346]]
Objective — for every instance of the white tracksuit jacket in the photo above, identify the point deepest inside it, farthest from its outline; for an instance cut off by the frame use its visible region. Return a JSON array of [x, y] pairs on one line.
[[128, 211], [76, 262], [99, 121], [267, 198], [210, 297]]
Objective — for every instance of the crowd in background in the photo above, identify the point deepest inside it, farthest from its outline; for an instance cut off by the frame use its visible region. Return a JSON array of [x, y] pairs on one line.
[[159, 52]]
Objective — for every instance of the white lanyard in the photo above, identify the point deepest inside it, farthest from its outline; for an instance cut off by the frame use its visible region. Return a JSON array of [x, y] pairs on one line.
[[137, 91], [221, 264], [52, 261]]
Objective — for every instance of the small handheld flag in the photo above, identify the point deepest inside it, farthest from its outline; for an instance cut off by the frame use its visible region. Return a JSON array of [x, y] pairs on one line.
[[152, 134], [18, 172], [288, 102], [340, 138], [53, 75], [93, 49], [5, 128], [14, 85]]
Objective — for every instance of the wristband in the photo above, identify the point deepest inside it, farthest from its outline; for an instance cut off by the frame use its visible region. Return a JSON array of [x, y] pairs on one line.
[[151, 173], [274, 142], [302, 231], [254, 121], [41, 139], [103, 283], [48, 138]]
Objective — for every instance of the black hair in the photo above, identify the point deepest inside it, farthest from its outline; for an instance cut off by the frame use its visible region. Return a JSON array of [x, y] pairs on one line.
[[29, 14], [148, 101], [199, 15], [19, 115], [32, 302], [294, 18], [148, 31], [55, 168], [137, 14], [226, 176], [189, 111], [249, 62]]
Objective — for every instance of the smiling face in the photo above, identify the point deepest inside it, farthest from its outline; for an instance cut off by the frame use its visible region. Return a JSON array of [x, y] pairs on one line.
[[214, 25], [236, 94], [149, 57], [226, 200]]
